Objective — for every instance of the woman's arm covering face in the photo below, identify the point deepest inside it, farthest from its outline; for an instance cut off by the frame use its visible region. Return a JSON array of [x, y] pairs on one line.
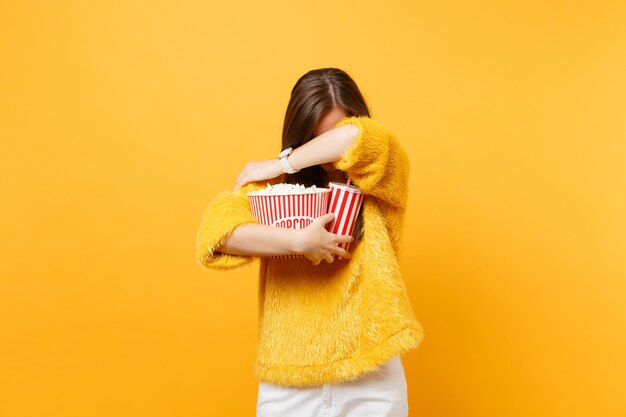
[[367, 151], [324, 148]]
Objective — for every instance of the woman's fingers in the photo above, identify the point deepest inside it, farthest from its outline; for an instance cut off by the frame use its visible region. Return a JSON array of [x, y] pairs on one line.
[[343, 238], [241, 181], [238, 183], [237, 186], [259, 171], [329, 258], [342, 252], [243, 177]]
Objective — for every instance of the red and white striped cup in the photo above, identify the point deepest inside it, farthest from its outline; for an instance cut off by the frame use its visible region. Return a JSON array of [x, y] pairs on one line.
[[291, 211], [345, 203]]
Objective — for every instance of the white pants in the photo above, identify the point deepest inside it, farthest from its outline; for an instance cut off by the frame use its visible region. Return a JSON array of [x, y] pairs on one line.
[[380, 393]]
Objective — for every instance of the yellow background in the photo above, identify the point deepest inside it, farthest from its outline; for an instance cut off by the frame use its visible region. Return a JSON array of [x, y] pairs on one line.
[[121, 119]]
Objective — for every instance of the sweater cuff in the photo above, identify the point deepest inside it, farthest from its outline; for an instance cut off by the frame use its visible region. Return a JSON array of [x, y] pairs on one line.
[[375, 161], [225, 212]]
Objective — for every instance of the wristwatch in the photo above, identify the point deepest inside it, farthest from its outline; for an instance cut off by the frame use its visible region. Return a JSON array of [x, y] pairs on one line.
[[282, 157]]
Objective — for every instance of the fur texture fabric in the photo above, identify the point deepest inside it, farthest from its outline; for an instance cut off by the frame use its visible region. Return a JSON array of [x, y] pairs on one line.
[[331, 322]]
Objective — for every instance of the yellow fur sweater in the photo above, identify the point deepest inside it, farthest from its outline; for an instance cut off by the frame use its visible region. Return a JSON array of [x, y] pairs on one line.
[[336, 321]]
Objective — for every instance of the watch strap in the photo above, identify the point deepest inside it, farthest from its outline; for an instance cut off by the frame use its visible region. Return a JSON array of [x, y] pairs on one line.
[[286, 167]]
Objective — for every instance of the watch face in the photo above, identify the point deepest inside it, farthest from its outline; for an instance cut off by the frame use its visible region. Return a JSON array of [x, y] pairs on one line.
[[284, 152]]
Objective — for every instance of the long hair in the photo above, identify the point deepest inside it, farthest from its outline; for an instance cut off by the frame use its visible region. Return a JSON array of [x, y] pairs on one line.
[[314, 95]]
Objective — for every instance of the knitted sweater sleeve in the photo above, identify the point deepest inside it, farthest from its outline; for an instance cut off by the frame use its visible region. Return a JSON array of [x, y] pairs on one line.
[[225, 212], [376, 162]]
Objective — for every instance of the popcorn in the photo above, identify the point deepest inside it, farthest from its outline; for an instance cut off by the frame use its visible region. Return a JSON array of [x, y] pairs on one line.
[[285, 188]]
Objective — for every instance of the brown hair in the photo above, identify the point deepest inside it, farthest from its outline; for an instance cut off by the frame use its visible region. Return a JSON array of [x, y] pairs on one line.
[[315, 94]]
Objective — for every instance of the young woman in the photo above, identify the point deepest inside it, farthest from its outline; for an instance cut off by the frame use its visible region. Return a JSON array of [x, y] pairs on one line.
[[331, 334]]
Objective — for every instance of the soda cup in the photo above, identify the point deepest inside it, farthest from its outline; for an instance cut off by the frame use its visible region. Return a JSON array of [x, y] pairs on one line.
[[345, 204]]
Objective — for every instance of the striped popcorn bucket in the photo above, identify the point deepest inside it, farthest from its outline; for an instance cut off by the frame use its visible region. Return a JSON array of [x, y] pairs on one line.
[[291, 211], [345, 203]]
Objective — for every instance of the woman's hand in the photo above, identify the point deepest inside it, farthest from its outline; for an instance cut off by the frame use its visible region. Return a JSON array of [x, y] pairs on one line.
[[317, 243], [259, 171]]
